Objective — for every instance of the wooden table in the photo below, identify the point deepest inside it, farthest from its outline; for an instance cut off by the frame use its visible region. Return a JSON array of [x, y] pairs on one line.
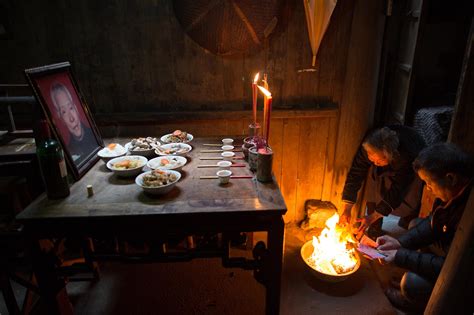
[[120, 208]]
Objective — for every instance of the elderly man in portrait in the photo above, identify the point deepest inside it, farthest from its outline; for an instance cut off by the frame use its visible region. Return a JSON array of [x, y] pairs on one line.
[[81, 138]]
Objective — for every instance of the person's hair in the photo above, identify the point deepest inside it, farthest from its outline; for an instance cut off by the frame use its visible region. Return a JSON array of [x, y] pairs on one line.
[[55, 88], [443, 158], [384, 140]]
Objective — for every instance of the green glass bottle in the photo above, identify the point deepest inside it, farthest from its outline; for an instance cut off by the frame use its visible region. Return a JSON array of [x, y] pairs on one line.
[[52, 163]]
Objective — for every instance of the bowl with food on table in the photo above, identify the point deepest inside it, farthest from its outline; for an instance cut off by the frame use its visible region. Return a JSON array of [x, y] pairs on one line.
[[111, 151], [173, 149], [143, 146], [167, 162], [127, 166], [158, 182], [177, 136]]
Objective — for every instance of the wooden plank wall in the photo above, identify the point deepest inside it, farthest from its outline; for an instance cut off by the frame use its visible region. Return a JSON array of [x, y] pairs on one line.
[[302, 145]]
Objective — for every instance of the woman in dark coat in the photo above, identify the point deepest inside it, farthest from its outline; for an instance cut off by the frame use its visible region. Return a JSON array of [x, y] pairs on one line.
[[447, 172]]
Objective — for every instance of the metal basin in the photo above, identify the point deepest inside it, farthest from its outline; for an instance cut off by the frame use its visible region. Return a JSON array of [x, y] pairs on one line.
[[306, 252]]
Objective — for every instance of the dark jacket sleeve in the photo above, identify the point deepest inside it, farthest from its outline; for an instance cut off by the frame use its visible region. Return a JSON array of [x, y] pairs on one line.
[[421, 235], [401, 180], [425, 264], [356, 176]]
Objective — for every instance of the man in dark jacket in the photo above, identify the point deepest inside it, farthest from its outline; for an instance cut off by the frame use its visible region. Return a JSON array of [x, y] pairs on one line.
[[447, 172], [386, 155]]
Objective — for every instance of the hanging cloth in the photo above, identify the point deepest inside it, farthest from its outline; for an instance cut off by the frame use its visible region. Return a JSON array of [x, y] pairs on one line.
[[318, 14]]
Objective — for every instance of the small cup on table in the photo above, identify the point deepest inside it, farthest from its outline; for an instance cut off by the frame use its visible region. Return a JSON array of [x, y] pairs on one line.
[[224, 176], [227, 147], [227, 141], [227, 155], [224, 165]]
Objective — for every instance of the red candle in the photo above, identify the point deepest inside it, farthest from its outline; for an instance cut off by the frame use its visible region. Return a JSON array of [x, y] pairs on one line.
[[267, 110], [254, 98]]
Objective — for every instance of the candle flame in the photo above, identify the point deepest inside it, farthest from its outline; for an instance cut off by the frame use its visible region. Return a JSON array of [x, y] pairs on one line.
[[255, 79], [265, 91]]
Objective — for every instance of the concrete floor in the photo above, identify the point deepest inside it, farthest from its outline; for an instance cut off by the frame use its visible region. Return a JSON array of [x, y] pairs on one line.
[[203, 286]]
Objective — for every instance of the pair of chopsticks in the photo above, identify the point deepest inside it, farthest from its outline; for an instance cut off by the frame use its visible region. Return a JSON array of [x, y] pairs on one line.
[[219, 158], [231, 176], [215, 165], [214, 151]]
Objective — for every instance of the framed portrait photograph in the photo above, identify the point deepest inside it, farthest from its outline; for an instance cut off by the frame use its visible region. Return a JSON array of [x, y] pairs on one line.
[[67, 112]]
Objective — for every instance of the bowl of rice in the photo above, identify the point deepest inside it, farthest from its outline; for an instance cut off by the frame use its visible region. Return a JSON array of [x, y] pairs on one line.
[[158, 182], [127, 166], [111, 151]]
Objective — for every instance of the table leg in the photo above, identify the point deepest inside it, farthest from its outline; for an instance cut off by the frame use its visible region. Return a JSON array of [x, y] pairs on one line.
[[52, 289], [274, 267]]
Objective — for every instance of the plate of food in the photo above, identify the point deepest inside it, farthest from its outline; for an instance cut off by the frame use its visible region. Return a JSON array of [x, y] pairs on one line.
[[177, 136], [143, 146], [111, 151], [173, 149], [158, 182], [167, 162], [127, 166]]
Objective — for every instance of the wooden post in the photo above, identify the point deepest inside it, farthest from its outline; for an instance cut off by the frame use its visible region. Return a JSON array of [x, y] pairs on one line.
[[454, 290]]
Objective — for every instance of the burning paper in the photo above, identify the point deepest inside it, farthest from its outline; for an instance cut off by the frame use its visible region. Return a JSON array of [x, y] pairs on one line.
[[331, 254]]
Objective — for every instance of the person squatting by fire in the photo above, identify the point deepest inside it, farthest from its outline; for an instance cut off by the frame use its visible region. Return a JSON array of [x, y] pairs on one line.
[[385, 160]]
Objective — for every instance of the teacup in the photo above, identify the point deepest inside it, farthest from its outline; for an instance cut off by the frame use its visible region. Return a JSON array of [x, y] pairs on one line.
[[224, 165], [227, 147], [227, 141], [224, 176], [227, 155]]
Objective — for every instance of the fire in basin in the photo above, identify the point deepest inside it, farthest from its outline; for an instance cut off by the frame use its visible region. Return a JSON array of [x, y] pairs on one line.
[[331, 256]]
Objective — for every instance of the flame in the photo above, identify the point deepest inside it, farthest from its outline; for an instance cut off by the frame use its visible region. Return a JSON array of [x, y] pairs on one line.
[[330, 254], [255, 79], [265, 91]]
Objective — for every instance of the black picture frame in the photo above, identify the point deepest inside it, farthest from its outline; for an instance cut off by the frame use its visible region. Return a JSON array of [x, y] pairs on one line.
[[68, 114]]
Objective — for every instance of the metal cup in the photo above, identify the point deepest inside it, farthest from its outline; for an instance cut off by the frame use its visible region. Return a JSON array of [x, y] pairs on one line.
[[264, 165]]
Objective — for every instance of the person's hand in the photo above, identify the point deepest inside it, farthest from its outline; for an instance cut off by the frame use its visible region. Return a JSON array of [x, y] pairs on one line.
[[367, 220], [387, 243], [345, 217], [389, 255]]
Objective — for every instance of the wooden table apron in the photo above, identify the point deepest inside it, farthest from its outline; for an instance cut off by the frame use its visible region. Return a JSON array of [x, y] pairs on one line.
[[120, 208]]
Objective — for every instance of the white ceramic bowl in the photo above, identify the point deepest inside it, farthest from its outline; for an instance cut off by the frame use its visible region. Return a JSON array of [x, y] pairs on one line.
[[227, 147], [224, 176], [129, 172], [166, 138], [227, 141], [161, 190], [173, 149], [224, 165], [176, 162], [148, 153], [106, 154], [228, 156]]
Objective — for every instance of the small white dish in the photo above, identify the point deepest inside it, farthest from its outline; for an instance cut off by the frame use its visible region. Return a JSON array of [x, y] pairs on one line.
[[106, 154], [227, 141], [127, 171], [167, 162], [167, 138], [227, 147], [143, 152], [224, 176], [173, 149], [158, 190], [224, 165], [227, 155]]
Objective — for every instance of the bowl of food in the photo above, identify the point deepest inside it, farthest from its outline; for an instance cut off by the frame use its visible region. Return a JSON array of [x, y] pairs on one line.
[[158, 182], [143, 146], [177, 136], [127, 166], [173, 149], [167, 162], [111, 151]]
